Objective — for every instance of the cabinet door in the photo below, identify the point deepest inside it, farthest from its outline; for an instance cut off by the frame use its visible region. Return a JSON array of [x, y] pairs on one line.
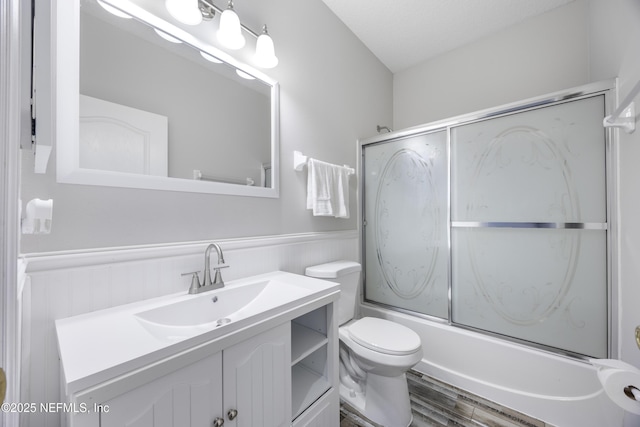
[[257, 380], [188, 397]]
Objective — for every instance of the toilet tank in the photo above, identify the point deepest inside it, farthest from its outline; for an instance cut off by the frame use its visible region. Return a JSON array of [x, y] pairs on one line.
[[347, 273]]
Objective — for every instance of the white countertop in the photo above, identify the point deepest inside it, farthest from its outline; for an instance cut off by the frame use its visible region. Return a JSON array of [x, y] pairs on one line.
[[102, 345]]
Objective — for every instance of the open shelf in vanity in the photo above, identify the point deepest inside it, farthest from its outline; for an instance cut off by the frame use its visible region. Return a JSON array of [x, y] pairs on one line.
[[310, 366]]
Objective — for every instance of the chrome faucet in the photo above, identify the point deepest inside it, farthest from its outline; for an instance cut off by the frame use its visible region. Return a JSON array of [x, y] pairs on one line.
[[217, 279], [207, 285]]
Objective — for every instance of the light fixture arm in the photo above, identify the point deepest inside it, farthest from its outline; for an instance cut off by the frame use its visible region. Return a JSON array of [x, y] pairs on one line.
[[207, 10], [208, 5]]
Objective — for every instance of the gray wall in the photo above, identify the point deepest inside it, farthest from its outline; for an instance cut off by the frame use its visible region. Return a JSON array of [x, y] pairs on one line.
[[332, 92], [540, 55]]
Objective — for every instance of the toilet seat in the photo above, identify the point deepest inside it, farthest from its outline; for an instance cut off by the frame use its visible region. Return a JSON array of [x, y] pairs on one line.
[[384, 336]]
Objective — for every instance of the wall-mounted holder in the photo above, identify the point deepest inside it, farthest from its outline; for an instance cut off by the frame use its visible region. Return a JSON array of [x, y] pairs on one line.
[[38, 216], [300, 160], [626, 120], [621, 383], [624, 117]]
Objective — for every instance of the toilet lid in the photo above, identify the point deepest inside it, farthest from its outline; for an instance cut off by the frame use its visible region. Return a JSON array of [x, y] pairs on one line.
[[384, 336]]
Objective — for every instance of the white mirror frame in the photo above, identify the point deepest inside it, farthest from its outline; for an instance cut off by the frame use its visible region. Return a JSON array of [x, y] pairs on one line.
[[65, 65]]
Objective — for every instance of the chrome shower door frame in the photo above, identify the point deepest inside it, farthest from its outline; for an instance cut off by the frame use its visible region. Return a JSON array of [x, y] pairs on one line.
[[606, 88]]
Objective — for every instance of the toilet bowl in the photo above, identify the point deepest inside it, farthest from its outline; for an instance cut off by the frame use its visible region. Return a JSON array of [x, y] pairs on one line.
[[375, 354]]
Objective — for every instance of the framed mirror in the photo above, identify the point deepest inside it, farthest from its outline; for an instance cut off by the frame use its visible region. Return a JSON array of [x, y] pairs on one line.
[[145, 103]]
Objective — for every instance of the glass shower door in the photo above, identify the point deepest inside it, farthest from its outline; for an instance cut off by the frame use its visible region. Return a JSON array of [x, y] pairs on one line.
[[406, 223], [497, 224], [529, 221]]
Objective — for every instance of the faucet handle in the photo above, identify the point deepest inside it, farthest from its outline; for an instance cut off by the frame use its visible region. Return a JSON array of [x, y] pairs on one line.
[[195, 281]]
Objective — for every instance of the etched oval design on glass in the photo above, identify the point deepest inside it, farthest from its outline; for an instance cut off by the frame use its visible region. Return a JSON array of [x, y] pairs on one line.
[[407, 224], [521, 164]]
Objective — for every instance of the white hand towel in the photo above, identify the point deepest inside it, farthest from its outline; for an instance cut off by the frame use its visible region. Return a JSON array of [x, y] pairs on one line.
[[327, 189], [340, 199], [319, 177]]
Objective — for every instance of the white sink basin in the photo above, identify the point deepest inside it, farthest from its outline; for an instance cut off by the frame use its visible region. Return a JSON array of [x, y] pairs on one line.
[[193, 314], [205, 308], [145, 332]]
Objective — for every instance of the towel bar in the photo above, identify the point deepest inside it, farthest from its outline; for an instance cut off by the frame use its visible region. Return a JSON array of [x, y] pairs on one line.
[[300, 160]]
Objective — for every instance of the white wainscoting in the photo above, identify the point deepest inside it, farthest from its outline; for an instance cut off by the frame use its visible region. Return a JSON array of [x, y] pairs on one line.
[[65, 284]]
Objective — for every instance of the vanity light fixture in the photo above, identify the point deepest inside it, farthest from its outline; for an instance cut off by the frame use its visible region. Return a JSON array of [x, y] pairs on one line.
[[185, 11], [265, 55], [113, 10], [230, 28], [230, 31]]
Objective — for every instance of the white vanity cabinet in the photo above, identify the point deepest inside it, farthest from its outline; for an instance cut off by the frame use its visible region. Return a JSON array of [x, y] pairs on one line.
[[275, 368], [314, 366], [244, 385], [256, 380], [191, 396]]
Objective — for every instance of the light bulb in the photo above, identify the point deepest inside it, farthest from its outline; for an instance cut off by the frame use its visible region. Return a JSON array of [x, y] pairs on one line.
[[230, 31], [265, 55], [113, 10], [185, 11]]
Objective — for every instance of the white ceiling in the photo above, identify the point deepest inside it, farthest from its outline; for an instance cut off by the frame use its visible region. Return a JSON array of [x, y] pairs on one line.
[[403, 33]]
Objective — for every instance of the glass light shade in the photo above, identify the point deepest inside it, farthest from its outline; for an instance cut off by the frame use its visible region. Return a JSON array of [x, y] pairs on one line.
[[166, 36], [230, 32], [113, 10], [185, 11], [265, 52]]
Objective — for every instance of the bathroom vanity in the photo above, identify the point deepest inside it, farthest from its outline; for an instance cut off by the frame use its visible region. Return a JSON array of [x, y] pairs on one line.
[[260, 351]]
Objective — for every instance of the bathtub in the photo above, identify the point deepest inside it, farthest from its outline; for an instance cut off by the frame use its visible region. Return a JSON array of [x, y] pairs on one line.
[[555, 389]]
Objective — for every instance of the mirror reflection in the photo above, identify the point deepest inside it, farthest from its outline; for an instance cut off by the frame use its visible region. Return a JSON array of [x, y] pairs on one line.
[[155, 106]]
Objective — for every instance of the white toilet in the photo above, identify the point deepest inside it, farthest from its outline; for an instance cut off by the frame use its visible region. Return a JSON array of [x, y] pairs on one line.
[[375, 353]]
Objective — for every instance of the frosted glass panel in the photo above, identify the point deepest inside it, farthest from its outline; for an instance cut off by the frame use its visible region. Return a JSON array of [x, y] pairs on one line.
[[541, 165], [406, 232], [527, 171], [543, 286]]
